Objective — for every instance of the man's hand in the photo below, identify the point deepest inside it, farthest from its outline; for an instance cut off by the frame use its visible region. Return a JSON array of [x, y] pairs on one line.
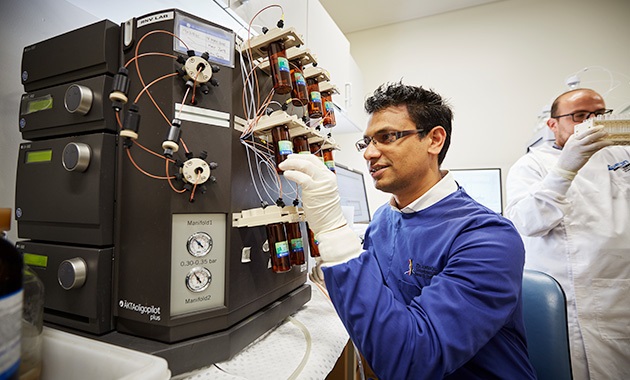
[[578, 149], [322, 208], [320, 197], [316, 275]]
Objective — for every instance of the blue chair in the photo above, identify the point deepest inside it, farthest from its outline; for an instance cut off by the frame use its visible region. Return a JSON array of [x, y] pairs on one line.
[[545, 315]]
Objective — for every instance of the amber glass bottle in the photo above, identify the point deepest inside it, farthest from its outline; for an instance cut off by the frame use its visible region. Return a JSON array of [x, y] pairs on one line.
[[315, 107], [299, 94], [278, 248], [280, 70], [294, 235], [329, 110], [329, 160], [316, 149], [312, 243], [300, 145], [282, 144]]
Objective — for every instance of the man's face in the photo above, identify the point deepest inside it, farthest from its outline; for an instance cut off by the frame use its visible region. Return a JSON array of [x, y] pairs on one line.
[[402, 167], [584, 100]]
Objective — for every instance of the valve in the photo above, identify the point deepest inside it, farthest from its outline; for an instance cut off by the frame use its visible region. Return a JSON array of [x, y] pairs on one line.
[[131, 125], [197, 171], [120, 87], [197, 69], [170, 145], [197, 72]]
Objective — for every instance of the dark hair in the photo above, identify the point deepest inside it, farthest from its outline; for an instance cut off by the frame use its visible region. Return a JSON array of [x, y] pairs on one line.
[[426, 108]]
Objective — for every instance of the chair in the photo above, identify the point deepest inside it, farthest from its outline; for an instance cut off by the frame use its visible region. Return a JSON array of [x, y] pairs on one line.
[[545, 315]]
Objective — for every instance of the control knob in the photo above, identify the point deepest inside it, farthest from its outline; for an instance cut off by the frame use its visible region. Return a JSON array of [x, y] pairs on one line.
[[78, 99], [72, 273], [76, 157]]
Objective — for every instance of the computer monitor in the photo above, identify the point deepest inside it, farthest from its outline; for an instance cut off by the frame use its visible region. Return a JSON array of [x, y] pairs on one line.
[[352, 192], [483, 185]]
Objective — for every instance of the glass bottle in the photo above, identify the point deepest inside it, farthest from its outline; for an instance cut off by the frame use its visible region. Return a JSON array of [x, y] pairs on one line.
[[282, 144], [294, 235], [316, 149], [315, 107], [299, 94], [329, 110], [11, 293], [278, 247], [313, 244], [32, 325], [280, 70], [300, 145], [328, 159]]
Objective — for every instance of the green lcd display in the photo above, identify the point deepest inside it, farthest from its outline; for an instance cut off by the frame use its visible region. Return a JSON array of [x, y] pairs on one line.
[[35, 260], [39, 104], [39, 156]]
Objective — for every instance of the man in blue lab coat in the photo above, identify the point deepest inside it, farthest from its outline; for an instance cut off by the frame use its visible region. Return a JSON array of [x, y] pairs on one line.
[[435, 290]]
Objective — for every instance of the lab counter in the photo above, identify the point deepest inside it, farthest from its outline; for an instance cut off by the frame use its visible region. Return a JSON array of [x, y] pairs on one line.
[[306, 345]]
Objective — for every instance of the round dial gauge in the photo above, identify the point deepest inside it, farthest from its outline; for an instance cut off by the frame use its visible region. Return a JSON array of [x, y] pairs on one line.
[[198, 279], [199, 244]]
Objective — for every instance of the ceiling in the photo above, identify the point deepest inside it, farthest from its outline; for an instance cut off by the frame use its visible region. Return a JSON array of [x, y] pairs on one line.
[[355, 15]]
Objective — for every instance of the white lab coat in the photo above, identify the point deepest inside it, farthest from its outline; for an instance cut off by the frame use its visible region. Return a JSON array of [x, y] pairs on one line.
[[579, 232]]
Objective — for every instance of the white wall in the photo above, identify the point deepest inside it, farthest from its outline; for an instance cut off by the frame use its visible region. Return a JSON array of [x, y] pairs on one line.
[[499, 64]]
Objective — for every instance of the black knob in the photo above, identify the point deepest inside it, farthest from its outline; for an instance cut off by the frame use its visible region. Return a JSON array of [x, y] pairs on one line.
[[72, 273], [78, 99], [76, 157]]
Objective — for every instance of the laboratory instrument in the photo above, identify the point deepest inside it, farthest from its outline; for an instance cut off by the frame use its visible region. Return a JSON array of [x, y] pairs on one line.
[[138, 180]]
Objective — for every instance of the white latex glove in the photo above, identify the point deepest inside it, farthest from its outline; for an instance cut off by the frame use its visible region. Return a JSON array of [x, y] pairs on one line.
[[578, 149], [320, 197], [322, 208], [316, 274]]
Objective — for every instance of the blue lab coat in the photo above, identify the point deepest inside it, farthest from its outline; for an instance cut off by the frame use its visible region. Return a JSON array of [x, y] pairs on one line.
[[436, 294]]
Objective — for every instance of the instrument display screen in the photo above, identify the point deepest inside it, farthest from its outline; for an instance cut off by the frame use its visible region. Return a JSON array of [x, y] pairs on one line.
[[39, 156]]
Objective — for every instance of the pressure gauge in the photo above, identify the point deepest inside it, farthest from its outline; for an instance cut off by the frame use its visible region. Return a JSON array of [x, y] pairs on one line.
[[198, 279], [199, 244]]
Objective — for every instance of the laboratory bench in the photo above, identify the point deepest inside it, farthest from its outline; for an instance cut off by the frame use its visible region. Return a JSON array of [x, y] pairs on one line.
[[307, 345], [312, 343]]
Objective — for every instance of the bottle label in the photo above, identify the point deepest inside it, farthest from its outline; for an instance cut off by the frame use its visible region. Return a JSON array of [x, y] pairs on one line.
[[299, 79], [283, 64], [296, 245], [282, 249], [316, 97], [10, 333], [329, 106], [285, 147]]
